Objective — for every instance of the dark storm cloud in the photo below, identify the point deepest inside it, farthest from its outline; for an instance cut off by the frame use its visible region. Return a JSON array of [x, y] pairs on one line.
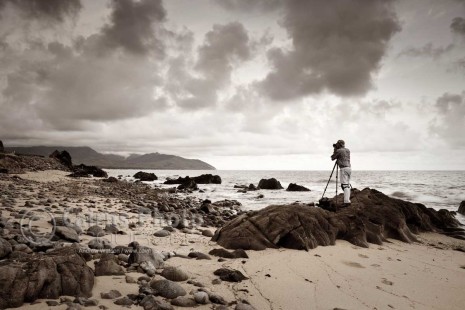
[[248, 5], [131, 25], [449, 123], [428, 50], [224, 47], [336, 46], [69, 86], [51, 9], [458, 25]]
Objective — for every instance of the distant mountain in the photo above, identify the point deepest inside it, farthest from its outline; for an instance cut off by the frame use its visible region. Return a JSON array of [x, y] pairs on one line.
[[88, 156]]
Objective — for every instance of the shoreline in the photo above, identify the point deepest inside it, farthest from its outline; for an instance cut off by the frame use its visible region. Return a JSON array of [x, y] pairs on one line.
[[396, 275]]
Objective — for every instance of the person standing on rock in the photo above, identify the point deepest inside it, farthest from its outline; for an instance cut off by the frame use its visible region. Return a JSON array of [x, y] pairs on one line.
[[342, 156]]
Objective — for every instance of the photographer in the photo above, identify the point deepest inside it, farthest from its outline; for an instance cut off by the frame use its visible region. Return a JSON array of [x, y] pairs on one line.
[[342, 156]]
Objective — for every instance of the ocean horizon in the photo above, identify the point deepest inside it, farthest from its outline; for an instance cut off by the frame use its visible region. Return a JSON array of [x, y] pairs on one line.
[[438, 189]]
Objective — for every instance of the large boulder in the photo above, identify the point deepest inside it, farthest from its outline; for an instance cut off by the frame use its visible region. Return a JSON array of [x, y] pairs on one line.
[[188, 185], [5, 248], [59, 272], [145, 176], [202, 179], [108, 266], [63, 157], [82, 171], [167, 288], [461, 209], [67, 233], [372, 218], [296, 188], [269, 184]]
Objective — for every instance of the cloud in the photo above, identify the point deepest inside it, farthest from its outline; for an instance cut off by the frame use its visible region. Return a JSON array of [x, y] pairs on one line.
[[427, 50], [337, 46], [247, 5], [80, 82], [458, 25], [131, 26], [449, 124], [55, 10], [195, 86]]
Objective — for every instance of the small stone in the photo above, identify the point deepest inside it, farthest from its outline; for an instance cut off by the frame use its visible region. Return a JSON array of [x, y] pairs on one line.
[[52, 303], [174, 274], [182, 301], [201, 298], [130, 279], [207, 233], [217, 299], [111, 294], [124, 301], [162, 233], [167, 288]]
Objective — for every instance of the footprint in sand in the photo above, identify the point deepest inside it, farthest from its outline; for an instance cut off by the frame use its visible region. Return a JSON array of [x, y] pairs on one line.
[[387, 282], [354, 264]]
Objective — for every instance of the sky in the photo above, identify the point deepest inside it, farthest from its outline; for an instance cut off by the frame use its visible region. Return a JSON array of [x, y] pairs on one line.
[[240, 84]]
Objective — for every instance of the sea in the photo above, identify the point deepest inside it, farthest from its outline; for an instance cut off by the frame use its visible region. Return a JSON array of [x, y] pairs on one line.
[[435, 189]]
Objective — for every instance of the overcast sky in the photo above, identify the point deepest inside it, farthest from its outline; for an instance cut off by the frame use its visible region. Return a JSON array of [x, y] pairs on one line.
[[241, 84]]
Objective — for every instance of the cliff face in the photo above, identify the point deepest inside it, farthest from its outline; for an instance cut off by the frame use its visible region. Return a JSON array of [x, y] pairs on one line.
[[88, 156]]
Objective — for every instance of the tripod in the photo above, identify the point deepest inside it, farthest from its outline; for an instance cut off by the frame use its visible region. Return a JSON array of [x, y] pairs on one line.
[[330, 177]]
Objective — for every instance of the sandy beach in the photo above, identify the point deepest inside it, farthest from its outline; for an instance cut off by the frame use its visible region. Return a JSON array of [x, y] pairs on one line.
[[424, 275]]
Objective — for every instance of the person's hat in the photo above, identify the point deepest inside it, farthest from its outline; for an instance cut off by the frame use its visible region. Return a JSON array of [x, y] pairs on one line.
[[339, 143]]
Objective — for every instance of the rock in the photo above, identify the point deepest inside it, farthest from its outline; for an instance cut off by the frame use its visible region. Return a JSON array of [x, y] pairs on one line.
[[189, 185], [145, 176], [372, 218], [207, 233], [230, 275], [63, 157], [52, 303], [99, 244], [108, 266], [111, 180], [208, 179], [95, 231], [199, 255], [202, 179], [151, 303], [130, 279], [216, 299], [162, 233], [86, 302], [5, 248], [182, 301], [148, 268], [174, 274], [296, 188], [124, 301], [252, 187], [59, 272], [110, 295], [142, 253], [201, 297], [82, 170], [167, 288], [461, 209], [111, 229], [269, 184], [2, 148], [239, 253], [67, 233]]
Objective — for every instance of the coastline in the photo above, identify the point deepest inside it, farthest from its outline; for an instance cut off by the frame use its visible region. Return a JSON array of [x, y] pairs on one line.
[[425, 275]]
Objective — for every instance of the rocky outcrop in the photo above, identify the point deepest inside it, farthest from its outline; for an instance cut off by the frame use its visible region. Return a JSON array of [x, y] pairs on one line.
[[63, 157], [269, 184], [188, 185], [461, 209], [202, 179], [372, 218], [296, 188], [145, 176], [83, 171], [60, 272]]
